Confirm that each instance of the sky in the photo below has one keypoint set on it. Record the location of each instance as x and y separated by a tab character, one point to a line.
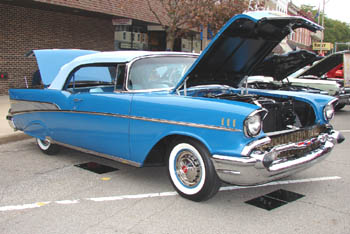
334	9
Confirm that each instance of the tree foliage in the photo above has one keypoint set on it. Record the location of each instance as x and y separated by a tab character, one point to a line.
334	30
179	16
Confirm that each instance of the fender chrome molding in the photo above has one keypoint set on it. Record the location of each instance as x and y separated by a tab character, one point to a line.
164	121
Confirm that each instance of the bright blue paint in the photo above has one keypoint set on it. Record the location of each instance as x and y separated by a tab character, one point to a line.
81	121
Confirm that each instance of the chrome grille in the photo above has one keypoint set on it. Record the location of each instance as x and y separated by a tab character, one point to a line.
295	136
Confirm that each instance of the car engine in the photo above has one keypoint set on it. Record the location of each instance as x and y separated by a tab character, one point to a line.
283	114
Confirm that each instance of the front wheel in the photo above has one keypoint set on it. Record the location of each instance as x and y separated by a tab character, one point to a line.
47	147
191	171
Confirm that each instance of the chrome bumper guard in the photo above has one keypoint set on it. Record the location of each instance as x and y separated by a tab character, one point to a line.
256	167
344	99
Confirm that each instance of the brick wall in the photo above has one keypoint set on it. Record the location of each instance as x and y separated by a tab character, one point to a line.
23	29
134	9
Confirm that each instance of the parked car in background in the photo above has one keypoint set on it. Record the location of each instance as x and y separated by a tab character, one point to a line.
300	71
336	72
273	72
316	76
185	110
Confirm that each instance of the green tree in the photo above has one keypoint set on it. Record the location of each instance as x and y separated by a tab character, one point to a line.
334	30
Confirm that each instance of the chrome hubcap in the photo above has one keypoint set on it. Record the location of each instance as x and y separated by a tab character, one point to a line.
188	168
45	142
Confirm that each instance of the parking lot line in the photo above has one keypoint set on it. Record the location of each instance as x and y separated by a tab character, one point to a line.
152	195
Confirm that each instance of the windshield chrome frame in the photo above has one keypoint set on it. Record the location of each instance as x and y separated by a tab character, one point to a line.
129	65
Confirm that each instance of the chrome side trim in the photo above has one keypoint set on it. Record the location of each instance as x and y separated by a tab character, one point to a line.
28	106
187	124
115	158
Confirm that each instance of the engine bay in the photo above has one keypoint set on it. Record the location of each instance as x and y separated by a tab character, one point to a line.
283	114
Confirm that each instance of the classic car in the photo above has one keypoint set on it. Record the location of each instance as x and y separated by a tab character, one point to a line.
337	72
184	110
293	71
316	76
272	73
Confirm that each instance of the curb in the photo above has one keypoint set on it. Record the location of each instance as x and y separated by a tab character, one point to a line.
13	137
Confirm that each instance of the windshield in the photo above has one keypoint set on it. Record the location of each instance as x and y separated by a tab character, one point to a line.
158	72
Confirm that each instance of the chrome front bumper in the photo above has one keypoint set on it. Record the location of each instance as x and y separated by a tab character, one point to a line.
256	167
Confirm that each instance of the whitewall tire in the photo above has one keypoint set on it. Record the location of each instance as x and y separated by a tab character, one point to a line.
191	170
47	147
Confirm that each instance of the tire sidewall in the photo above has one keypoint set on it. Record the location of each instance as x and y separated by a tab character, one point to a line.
176	150
209	184
42	146
47	147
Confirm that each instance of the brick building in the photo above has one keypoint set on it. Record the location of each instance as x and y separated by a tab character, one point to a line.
103	25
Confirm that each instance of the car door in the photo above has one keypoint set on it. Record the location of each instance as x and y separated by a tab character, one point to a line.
96	117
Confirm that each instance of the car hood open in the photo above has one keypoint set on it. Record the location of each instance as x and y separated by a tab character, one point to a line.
325	65
50	61
281	66
243	42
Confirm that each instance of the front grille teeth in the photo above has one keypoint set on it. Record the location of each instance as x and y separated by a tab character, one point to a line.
297	136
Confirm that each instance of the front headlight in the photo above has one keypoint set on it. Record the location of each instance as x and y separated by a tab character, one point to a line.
252	125
328	112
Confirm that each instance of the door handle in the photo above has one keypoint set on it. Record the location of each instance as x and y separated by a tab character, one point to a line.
77	100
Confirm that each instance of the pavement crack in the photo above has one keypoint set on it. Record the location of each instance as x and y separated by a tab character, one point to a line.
110	216
326	207
129	230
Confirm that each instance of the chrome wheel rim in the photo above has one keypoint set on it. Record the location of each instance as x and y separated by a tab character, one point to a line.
43	144
188	168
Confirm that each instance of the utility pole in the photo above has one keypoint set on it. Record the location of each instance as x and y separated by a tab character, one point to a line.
324	3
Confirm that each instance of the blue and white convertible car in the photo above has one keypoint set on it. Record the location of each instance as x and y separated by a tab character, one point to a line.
185	110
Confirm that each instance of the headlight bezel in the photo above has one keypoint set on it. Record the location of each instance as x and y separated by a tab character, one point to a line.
255	118
329	111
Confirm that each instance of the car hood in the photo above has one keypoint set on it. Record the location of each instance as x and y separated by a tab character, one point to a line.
50	61
325	65
242	43
281	66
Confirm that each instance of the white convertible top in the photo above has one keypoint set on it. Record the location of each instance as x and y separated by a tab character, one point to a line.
103	57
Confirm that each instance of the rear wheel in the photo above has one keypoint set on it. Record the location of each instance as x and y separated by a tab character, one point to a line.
47	147
191	171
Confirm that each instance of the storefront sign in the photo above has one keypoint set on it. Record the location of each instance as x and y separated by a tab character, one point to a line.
322	46
121	21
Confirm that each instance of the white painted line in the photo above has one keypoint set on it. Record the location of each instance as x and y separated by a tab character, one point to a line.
137	196
23	207
162	194
344	130
281	182
67	202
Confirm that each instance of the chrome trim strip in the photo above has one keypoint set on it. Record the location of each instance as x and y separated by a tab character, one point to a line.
187	124
18	106
115	158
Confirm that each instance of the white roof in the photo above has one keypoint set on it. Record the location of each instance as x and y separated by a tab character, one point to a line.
103	57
